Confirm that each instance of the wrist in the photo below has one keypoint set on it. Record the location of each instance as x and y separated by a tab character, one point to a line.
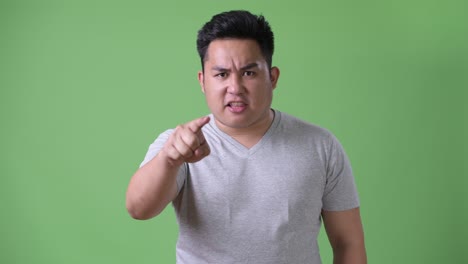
168	162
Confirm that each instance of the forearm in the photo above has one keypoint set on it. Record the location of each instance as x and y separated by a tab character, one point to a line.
346	235
349	254
151	188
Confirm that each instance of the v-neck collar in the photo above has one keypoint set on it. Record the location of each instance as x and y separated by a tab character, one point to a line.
241	149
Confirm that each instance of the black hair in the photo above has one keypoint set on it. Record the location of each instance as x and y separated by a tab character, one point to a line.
238	24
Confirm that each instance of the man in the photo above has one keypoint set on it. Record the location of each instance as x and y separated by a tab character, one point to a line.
249	184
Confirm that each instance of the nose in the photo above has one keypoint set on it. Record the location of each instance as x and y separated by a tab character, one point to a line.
236	85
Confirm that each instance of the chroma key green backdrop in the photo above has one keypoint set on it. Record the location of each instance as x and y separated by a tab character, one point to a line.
86	86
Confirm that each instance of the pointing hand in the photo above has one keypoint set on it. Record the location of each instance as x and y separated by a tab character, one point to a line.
187	143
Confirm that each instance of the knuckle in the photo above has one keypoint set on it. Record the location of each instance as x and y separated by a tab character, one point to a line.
172	153
194	142
187	152
191	140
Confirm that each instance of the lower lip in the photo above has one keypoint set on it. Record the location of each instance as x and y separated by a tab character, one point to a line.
237	109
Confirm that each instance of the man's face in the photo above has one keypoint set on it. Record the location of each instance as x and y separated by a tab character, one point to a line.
237	83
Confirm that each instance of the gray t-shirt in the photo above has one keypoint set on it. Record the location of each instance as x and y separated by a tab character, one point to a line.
263	204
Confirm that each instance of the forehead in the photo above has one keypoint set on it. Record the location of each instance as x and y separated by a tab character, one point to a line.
237	51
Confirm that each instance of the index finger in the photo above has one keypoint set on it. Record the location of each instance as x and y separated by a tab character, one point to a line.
197	124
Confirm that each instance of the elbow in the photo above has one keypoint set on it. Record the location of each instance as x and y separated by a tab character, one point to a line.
137	215
139	212
141	206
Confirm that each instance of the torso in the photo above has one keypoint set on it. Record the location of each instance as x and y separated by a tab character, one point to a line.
257	204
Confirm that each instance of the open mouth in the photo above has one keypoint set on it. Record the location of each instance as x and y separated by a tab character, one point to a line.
237	107
236	104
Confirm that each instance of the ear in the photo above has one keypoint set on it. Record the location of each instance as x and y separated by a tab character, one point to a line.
201	81
274	75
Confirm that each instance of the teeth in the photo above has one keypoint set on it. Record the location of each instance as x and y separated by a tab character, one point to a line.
237	104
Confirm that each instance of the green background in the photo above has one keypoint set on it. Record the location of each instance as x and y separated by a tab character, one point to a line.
86	86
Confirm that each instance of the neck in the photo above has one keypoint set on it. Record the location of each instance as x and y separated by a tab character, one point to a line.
251	135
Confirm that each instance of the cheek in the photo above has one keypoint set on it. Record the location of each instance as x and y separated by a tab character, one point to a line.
214	97
264	94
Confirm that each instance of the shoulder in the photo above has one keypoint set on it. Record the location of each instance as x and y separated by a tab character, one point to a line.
292	126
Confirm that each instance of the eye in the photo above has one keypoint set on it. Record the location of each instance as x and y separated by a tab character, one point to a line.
221	75
249	73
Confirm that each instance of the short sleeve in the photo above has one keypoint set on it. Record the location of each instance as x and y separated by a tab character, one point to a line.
340	189
154	149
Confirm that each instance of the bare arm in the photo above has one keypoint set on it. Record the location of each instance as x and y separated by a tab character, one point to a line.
346	236
154	185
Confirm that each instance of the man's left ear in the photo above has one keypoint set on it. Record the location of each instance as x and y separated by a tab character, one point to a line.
200	80
274	75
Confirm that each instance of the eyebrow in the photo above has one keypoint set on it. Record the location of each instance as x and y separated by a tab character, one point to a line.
246	67
249	66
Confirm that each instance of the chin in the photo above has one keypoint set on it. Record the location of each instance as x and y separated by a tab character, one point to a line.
239	122
234	124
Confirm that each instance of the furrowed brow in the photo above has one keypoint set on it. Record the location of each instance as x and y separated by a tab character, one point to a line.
249	66
219	69
246	67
